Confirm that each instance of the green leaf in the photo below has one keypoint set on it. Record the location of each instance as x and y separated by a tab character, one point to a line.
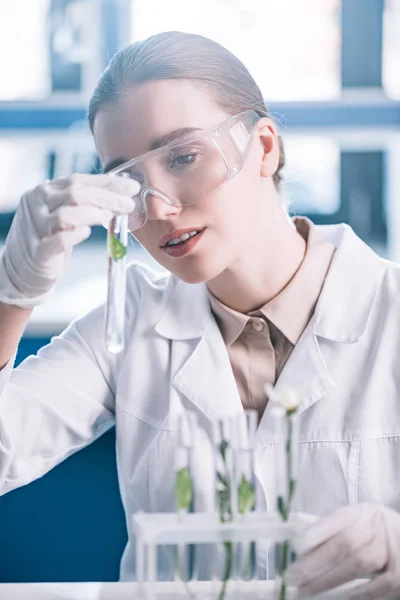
225	511
282	508
183	489
222	448
222	479
292	487
116	248
246	496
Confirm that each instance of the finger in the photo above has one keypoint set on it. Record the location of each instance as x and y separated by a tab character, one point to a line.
78	195
33	210
121	185
337	550
325	528
71	217
380	587
63	241
359	565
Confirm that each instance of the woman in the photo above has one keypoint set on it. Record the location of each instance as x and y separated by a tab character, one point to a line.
253	298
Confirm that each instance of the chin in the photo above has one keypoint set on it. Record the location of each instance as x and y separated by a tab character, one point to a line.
197	273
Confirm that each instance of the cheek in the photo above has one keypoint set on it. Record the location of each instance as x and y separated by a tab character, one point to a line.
147	238
235	204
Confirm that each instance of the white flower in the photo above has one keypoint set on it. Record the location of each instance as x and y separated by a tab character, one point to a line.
286	399
289	399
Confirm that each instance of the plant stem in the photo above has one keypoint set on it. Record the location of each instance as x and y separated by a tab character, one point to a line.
282	591
225	514
179	568
248	571
228	568
284	508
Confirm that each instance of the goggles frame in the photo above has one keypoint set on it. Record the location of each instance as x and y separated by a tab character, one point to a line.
239	130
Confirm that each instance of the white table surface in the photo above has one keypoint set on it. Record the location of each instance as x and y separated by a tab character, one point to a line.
130	591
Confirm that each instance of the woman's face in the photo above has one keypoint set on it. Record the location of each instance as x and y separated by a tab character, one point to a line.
230	216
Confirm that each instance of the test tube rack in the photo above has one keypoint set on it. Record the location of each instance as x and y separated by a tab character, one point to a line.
156	529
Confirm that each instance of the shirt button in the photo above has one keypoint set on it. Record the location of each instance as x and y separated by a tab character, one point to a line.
258	325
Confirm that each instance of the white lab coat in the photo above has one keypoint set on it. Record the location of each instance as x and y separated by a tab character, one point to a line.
345	368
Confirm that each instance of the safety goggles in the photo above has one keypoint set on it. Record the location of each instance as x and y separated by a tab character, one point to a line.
186	172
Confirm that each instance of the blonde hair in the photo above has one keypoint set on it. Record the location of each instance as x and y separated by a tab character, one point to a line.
177	55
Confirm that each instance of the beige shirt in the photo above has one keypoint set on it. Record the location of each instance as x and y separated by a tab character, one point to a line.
259	343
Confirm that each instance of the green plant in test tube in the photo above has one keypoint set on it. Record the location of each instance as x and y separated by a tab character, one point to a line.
246	496
287	406
184	488
183	502
244	479
116	249
244	493
225	512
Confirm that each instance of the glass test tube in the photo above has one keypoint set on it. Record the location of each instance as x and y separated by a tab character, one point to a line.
245	486
224	497
287	450
184	464
117	242
185	492
286	466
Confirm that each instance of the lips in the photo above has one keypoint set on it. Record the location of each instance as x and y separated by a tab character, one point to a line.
177	234
184	248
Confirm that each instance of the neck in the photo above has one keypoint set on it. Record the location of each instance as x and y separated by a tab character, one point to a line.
270	261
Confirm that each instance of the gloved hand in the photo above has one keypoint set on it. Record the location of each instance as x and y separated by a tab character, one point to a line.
49	221
355	541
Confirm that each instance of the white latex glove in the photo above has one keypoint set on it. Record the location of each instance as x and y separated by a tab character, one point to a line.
355	541
49	221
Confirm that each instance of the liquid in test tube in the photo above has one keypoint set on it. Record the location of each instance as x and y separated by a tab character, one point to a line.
117	242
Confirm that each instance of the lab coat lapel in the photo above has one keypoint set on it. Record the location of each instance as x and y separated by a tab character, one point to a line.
341	316
206	378
200	366
306	373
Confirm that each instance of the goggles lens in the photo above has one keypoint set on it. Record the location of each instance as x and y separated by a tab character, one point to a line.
185	173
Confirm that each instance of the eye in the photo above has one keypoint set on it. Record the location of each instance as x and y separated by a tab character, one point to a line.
183	160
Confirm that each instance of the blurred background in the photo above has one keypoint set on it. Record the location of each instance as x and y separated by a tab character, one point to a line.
329	71
330	74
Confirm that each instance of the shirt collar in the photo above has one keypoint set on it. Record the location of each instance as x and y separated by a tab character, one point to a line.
342	312
230	322
291	310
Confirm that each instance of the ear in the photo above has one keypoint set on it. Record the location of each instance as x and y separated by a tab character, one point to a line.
268	136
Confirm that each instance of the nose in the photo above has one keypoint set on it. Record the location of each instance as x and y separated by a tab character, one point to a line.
158	209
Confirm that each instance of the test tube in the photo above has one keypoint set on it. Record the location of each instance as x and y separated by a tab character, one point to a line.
185	493
287	450
286	467
117	243
245	488
223	554
225	498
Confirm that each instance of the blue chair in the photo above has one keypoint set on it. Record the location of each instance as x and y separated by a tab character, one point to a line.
69	525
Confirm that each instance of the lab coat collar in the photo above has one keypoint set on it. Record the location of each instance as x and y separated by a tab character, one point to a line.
185	310
186	317
348	295
342	311
341	315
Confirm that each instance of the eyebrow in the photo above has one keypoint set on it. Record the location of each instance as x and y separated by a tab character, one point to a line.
164	140
173	136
